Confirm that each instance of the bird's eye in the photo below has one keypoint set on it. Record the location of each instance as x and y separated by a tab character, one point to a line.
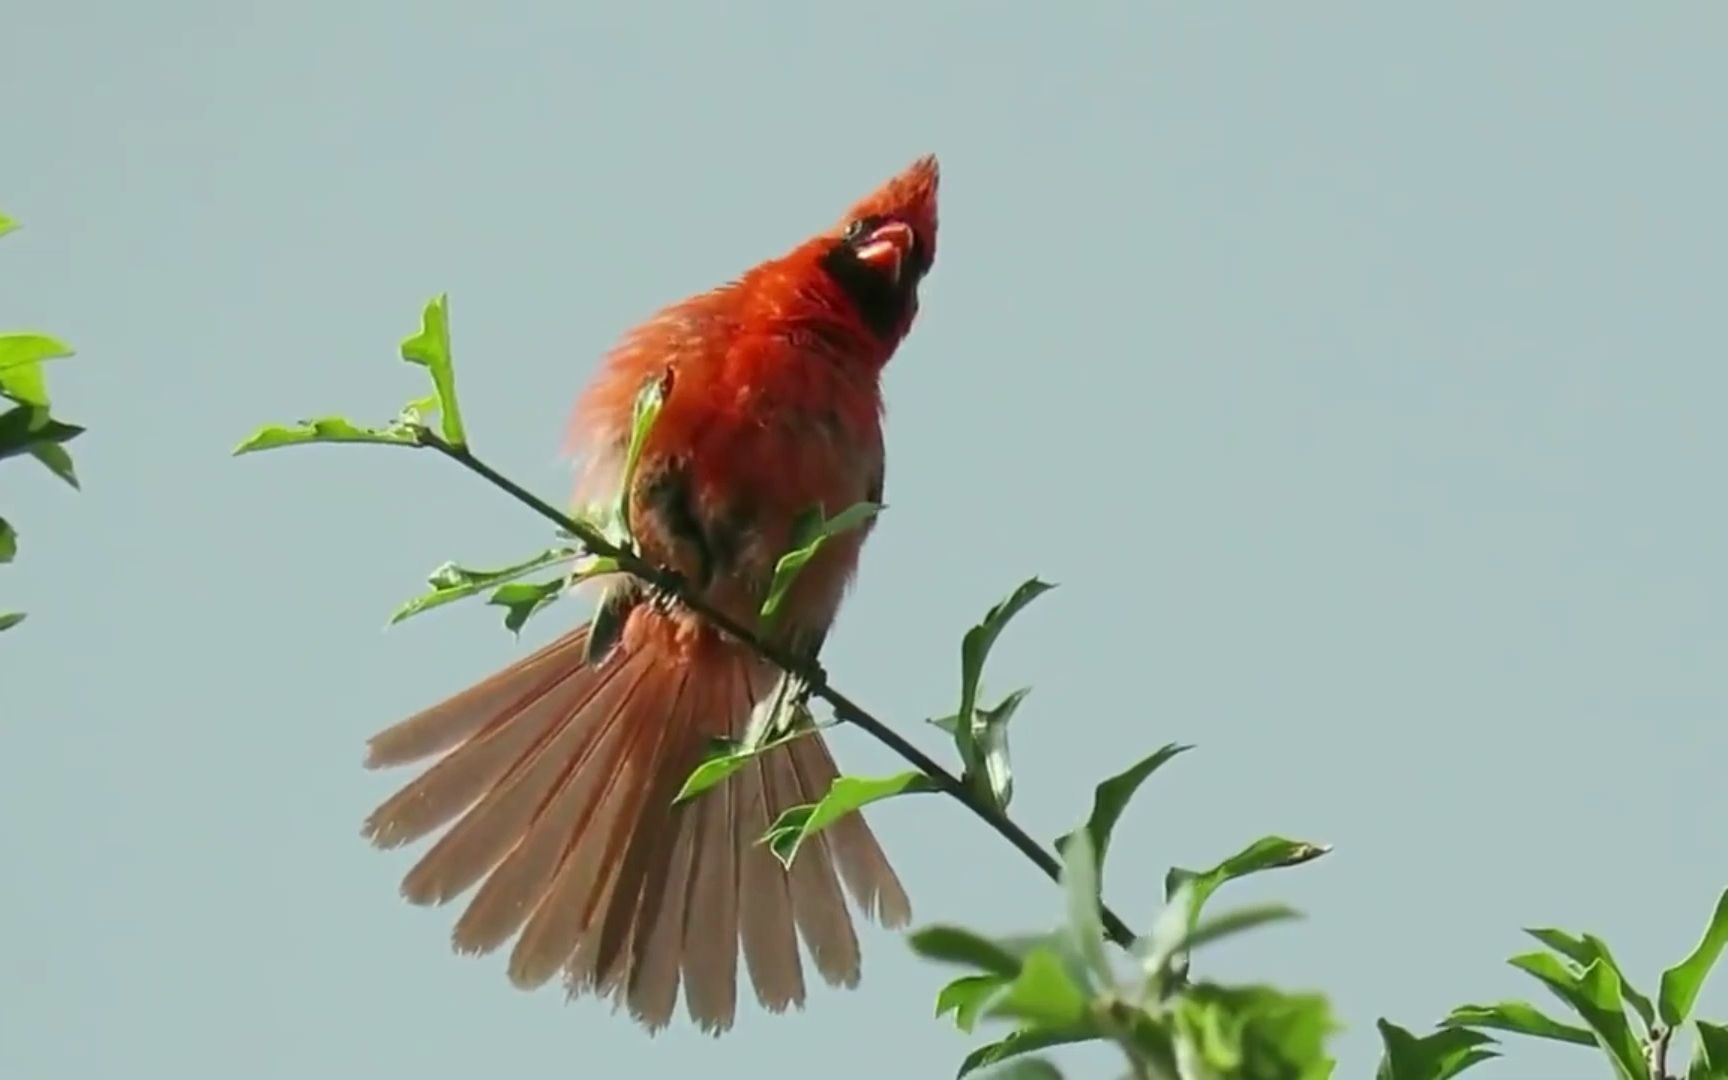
859	227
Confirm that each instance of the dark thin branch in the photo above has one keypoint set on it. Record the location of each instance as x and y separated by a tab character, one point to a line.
811	674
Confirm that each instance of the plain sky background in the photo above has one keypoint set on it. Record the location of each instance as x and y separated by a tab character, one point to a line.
1357	372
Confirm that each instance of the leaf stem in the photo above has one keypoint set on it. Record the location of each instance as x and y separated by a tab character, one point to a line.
812	675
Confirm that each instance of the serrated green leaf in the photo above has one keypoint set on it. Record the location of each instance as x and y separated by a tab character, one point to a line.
1111	797
1085	921
1520	1017
1439	1056
1595	996
1253	1032
1709	1052
9	619
846	795
326	429
958	945
430	348
8	541
967	996
523	599
1681	983
450	582
1042	994
810	531
974	650
1025	1042
726	757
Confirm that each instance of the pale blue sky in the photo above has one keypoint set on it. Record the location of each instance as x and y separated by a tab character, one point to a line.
1359	375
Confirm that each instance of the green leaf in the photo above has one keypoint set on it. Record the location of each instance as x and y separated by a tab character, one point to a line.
1111	797
1218	927
726	757
848	793
430	348
643	413
1026	1042
8	541
958	945
1085	921
1439	1056
1681	983
966	998
58	461
6	224
1266	853
9	619
1042	994
1709	1052
1585	950
450	582
21	359
327	429
24	428
974	650
810	530
1520	1017
1595	996
1179	930
1254	1032
524	598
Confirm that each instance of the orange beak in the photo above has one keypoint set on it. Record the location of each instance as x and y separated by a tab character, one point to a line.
886	248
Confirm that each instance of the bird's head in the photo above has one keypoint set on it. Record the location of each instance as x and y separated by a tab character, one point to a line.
884	246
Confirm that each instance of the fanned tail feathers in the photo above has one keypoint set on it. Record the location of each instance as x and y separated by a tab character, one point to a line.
556	782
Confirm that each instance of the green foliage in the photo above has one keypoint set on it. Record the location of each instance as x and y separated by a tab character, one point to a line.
981	735
430	348
1709	1052
1060	987
727	756
1520	1017
450	582
1253	1032
1439	1056
646	410
810	531
327	429
28	426
1681	983
848	793
1111	798
1581	972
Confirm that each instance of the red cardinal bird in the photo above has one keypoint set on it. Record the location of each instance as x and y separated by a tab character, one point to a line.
558	773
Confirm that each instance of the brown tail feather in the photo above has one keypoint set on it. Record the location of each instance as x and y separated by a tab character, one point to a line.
558	778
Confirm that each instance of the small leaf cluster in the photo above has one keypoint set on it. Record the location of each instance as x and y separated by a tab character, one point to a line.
27	423
1624	1025
1064	986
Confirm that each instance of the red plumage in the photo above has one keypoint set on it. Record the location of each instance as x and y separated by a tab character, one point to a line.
557	773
